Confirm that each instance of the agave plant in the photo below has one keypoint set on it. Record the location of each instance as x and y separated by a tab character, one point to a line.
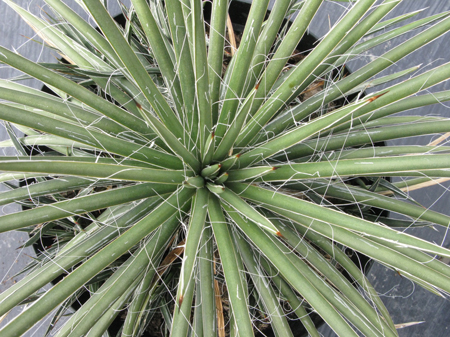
202	197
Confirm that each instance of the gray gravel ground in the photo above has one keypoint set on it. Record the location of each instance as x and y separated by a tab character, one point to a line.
406	302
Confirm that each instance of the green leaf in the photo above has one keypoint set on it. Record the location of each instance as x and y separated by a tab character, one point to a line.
337	219
431	165
71	49
91	138
381	80
357	274
247	210
90	33
332	274
381	38
178	32
356	138
130	272
376	117
355	194
393	258
295	136
390	22
186	284
98	330
95	264
81	205
266	40
133	65
206	283
240	66
95	170
295	303
159	49
277	254
215	53
361	75
48	187
80	247
288	90
84	95
229	256
201	74
264	289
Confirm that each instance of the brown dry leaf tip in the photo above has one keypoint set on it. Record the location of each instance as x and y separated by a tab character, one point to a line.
440	139
313	86
257	85
377	96
212	135
139	106
230	152
180	301
219	165
405	325
279	234
219	309
231	35
275	168
238	155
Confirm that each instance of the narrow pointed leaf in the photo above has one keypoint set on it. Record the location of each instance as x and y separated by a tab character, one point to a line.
229	256
92	138
192	244
80	205
412	165
337	141
159	49
206	283
297	135
288	90
133	65
91	99
48	187
393	258
362	75
129	273
248	211
290	272
359	195
268	298
91	267
235	85
336	218
94	170
215	53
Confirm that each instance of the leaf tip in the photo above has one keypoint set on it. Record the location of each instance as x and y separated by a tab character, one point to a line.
376	97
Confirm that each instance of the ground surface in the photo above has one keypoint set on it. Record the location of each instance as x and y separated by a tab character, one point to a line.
406	302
